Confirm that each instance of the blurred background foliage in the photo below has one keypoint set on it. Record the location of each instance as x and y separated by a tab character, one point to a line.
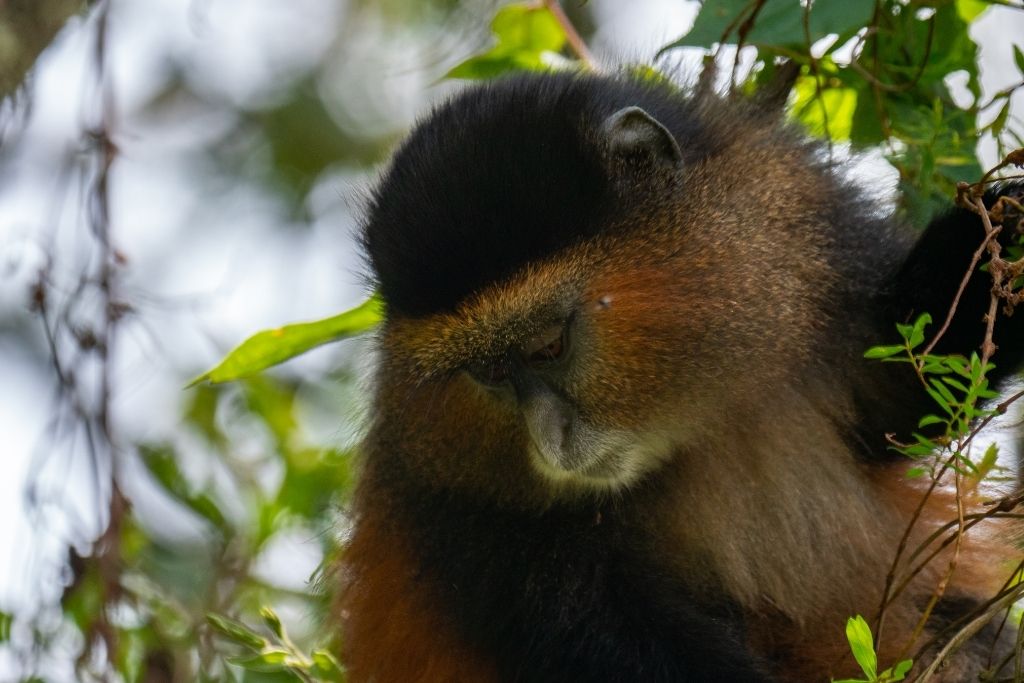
175	175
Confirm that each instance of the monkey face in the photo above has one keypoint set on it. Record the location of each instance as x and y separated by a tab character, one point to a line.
570	274
537	375
547	379
583	359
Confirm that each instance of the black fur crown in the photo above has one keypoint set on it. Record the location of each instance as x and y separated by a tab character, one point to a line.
501	175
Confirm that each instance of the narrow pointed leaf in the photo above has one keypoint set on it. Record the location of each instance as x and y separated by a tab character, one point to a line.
883	351
858	633
272	347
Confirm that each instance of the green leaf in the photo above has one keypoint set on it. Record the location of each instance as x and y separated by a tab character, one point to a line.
529	27
935	369
648	74
272	621
272	347
917	332
969	10
779	23
956	384
303	139
283	676
915	472
946	393
5	626
858	633
930	420
938	398
489	66
899	672
824	104
959	365
988	461
883	351
162	463
917	450
236	631
971	467
327	667
1018	58
525	33
999	122
268	660
313	480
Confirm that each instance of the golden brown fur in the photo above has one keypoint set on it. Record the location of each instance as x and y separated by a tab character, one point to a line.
717	319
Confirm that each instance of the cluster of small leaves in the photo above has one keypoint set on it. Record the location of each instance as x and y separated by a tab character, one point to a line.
891	92
957	385
858	634
158	607
276	655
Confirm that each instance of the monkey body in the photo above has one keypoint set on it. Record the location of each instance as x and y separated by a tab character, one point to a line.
622	428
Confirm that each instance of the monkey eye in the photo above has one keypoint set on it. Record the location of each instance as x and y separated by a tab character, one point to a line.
545	347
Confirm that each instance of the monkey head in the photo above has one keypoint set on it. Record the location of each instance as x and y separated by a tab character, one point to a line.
587	275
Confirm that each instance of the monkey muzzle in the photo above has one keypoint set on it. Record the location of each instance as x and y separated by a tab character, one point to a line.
562	442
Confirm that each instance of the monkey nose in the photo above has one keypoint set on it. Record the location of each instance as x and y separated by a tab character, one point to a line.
549	421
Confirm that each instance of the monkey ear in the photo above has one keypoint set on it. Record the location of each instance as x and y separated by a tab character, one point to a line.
632	133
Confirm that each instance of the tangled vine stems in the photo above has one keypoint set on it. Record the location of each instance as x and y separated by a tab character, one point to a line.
1006	211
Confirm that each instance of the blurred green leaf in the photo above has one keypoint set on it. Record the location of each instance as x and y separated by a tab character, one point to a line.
272	621
313	481
5	626
274	403
828	109
236	631
969	10
268	660
527	27
304	140
83	600
272	347
525	33
999	122
284	676
327	667
915	472
201	412
989	461
162	463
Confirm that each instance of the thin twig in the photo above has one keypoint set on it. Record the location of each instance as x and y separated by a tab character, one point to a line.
975	259
969	632
572	36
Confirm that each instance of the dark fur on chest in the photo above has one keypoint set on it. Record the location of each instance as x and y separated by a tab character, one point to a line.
572	594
